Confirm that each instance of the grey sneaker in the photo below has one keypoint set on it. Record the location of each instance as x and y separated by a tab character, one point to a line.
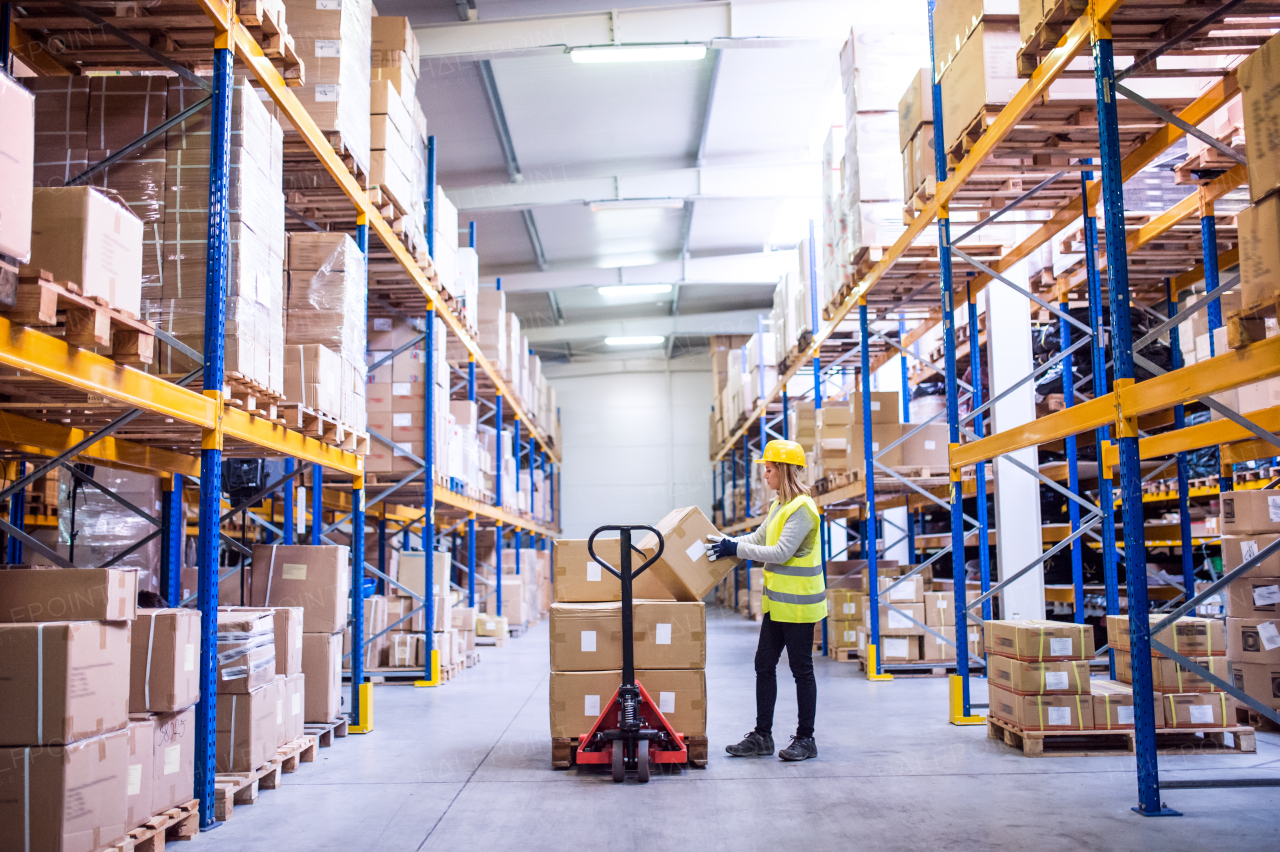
754	744
801	748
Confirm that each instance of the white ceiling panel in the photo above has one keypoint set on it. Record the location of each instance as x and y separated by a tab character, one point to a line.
467	149
726	226
501	239
572	233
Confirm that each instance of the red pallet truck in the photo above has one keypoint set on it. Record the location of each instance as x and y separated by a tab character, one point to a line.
631	733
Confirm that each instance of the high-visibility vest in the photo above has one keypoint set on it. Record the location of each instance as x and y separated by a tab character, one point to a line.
795	591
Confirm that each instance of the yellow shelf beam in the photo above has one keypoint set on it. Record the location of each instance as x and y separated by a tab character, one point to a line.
37	437
247	50
286	442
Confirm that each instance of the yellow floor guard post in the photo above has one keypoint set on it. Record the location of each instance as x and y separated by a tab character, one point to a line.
957	704
435	671
365	725
871	666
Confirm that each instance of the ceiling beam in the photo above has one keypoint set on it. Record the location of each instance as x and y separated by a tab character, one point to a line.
736	268
723	322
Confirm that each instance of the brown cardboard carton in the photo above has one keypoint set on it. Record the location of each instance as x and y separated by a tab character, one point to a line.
60	594
123	108
288	633
246	649
1258	680
1113	705
246	728
82	235
885	408
578	698
903	649
1253	597
578	578
925	446
956	20
910	590
939	609
684	567
1259	77
1191	637
69	798
138	775
164	660
1199	710
934	648
1067	677
316	578
292	704
1171	677
492	625
894	623
173	760
375	621
1237	549
1039	641
845	605
586	637
1043	712
1253	640
668	634
916	106
413	572
464	618
1245	513
322	666
62	681
17	168
1259	228
843	634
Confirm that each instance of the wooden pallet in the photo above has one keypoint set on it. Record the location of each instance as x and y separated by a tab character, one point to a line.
564	751
323	427
180	823
87	322
1058	18
1107	743
325	732
241	788
843	655
1203	168
1254	719
925	668
1249	326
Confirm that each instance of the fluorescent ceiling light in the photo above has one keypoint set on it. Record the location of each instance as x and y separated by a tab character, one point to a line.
643	340
634	289
639	53
637	204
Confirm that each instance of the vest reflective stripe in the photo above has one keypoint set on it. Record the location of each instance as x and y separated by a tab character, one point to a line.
795	592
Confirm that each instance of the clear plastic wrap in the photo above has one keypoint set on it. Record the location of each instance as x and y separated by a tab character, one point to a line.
104	528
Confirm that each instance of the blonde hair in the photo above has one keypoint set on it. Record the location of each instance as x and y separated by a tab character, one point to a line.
789	485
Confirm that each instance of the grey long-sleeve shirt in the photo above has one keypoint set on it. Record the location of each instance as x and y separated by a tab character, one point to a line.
799	537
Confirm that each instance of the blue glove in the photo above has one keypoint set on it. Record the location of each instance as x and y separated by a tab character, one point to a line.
723	549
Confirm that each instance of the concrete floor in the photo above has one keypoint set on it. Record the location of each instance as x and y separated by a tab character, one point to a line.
468	766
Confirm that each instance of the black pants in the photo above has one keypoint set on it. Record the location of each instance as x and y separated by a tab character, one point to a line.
798	640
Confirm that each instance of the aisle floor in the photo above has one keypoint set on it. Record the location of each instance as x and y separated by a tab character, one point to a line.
468	766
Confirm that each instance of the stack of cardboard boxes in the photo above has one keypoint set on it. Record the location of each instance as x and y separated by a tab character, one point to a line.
395	397
1183	699
915	136
1260	224
73	765
318	580
455	628
17	175
1038	675
398	127
1253	600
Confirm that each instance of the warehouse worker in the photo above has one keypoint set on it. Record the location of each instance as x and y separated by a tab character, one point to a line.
794	598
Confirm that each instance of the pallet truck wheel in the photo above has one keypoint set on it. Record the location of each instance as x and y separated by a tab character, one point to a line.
642	762
619	773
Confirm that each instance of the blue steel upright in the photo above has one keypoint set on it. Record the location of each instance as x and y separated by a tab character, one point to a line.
1135	548
497	487
471	559
869	480
952	386
428	482
17	515
357	531
1098	359
215	315
980	469
172	525
1184	468
1212	281
317	503
1073	470
290	491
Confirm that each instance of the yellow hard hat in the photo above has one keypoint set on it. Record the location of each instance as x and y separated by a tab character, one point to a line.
784	452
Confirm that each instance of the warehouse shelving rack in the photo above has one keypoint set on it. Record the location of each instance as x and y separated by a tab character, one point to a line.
167	417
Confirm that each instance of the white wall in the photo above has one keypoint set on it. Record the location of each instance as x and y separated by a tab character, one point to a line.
636	444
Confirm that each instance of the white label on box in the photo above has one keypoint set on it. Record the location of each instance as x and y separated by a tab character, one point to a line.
1269	635
1055	680
1201	714
851	636
297	703
1273	509
1059	715
328	47
898	621
662	636
895	646
666	702
328	5
875	447
588	641
1248	550
493	625
931	445
297	635
398	388
903	592
695	551
279	711
134	779
1266	595
1124	714
172	758
850	608
326	92
189	657
1060	646
942	603
294	571
381	323
875	405
593	572
404	447
591	705
401	419
975	635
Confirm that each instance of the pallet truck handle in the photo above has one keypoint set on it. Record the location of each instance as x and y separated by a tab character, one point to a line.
605	565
